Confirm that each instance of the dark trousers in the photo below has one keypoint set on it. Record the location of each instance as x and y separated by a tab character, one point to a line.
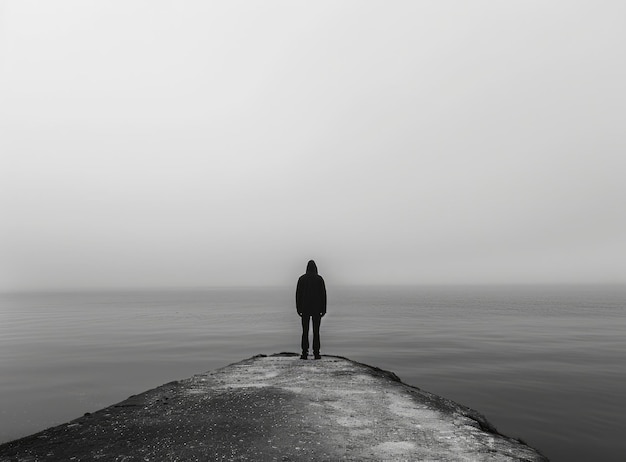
316	333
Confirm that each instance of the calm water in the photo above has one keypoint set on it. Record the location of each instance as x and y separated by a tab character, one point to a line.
546	364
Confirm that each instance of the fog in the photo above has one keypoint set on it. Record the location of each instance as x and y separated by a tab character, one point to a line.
195	144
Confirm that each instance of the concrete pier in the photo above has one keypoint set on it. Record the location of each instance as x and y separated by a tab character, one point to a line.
281	408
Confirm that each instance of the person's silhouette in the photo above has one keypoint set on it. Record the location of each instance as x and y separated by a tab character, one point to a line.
311	304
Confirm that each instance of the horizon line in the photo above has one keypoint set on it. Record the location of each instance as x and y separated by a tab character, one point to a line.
280	286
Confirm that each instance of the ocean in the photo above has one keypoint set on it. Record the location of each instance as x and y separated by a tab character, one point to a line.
546	364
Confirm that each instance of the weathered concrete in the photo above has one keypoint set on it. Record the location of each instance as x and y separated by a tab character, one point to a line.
278	408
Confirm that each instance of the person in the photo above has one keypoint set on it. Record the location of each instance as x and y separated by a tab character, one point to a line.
311	304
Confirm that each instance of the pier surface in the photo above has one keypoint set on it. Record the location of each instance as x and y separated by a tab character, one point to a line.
280	408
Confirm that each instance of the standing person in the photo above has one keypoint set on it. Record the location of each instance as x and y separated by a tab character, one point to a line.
311	304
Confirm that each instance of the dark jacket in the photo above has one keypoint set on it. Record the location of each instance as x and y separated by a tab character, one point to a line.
311	292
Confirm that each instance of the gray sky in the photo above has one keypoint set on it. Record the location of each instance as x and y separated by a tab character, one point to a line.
170	143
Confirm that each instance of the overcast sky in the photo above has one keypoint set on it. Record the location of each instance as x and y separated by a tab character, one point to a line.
194	143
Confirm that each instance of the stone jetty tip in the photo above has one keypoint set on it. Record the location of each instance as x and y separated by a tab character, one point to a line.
281	408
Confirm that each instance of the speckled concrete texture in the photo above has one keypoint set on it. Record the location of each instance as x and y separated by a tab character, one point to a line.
279	408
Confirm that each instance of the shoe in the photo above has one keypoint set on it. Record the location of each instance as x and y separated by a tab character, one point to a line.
303	356
317	356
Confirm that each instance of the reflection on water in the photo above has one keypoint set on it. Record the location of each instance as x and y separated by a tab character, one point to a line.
546	364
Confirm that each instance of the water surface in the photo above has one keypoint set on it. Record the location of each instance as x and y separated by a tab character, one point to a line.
546	364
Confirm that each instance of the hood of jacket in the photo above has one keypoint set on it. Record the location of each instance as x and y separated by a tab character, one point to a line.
311	267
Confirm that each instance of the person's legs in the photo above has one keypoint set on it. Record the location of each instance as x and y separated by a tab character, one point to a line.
305	335
316	335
